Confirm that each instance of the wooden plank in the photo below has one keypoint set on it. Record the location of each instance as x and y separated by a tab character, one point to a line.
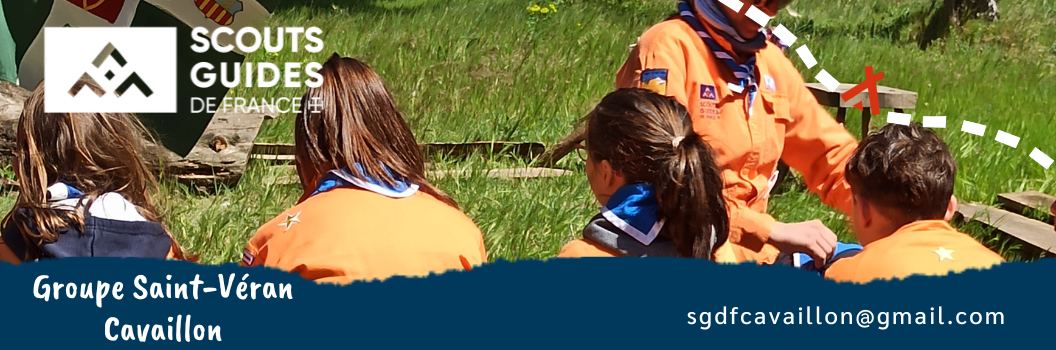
260	148
1033	232
274	158
1019	202
515	173
888	97
528	150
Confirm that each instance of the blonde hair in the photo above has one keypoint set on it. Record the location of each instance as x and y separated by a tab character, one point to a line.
96	153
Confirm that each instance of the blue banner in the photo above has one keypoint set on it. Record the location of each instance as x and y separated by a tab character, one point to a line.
564	303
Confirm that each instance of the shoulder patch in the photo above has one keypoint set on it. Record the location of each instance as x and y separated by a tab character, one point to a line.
707	92
654	80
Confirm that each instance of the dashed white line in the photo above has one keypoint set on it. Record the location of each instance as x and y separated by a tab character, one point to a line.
1006	138
806	57
935	122
826	79
973	128
757	15
784	34
1041	158
733	4
899	118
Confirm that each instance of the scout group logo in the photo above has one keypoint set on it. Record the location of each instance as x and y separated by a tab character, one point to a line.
709	98
135	67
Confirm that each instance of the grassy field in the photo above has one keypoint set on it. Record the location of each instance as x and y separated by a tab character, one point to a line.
484	70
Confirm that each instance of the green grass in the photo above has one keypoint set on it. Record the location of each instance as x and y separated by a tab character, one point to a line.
483	70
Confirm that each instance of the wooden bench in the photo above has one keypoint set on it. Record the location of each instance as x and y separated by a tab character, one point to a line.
888	97
1009	219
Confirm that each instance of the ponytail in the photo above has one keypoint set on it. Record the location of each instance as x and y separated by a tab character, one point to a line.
649	138
690	199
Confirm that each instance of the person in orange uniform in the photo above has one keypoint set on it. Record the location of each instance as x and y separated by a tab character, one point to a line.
368	211
658	182
750	104
902	178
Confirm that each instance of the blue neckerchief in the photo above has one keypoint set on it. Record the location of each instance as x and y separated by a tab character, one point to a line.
843	250
633	210
61	191
342	178
709	12
745	73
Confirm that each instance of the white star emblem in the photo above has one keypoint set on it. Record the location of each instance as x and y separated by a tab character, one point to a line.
944	253
290	220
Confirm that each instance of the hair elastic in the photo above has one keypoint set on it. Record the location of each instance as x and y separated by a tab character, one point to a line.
676	141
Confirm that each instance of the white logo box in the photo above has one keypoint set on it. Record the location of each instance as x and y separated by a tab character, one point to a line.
148	52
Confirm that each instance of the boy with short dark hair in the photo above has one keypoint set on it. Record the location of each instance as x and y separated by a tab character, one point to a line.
902	179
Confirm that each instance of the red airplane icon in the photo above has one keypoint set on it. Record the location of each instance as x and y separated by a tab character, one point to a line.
870	84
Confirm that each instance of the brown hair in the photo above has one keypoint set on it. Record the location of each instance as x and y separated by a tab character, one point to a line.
634	130
352	119
907	171
96	153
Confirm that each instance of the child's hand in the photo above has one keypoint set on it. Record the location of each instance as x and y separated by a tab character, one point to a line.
811	238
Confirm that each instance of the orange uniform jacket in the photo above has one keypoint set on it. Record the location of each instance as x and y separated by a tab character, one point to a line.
349	234
580	248
786	123
929	247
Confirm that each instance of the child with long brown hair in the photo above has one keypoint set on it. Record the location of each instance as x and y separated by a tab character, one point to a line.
367	210
657	180
83	188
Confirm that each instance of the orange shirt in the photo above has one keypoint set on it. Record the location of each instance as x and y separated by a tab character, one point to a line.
928	247
786	123
349	234
580	248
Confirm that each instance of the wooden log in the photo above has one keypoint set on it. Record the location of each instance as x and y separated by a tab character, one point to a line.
1020	202
561	148
219	156
1032	232
12	97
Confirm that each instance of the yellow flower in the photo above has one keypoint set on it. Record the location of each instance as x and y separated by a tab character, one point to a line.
554	8
534	8
544	10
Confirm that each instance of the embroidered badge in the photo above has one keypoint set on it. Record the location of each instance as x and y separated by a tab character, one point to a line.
944	253
247	257
707	92
769	82
290	220
654	80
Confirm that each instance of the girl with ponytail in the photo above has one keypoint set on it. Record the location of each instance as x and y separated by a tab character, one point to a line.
657	180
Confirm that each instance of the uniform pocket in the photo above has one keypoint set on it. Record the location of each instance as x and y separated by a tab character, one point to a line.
779	118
